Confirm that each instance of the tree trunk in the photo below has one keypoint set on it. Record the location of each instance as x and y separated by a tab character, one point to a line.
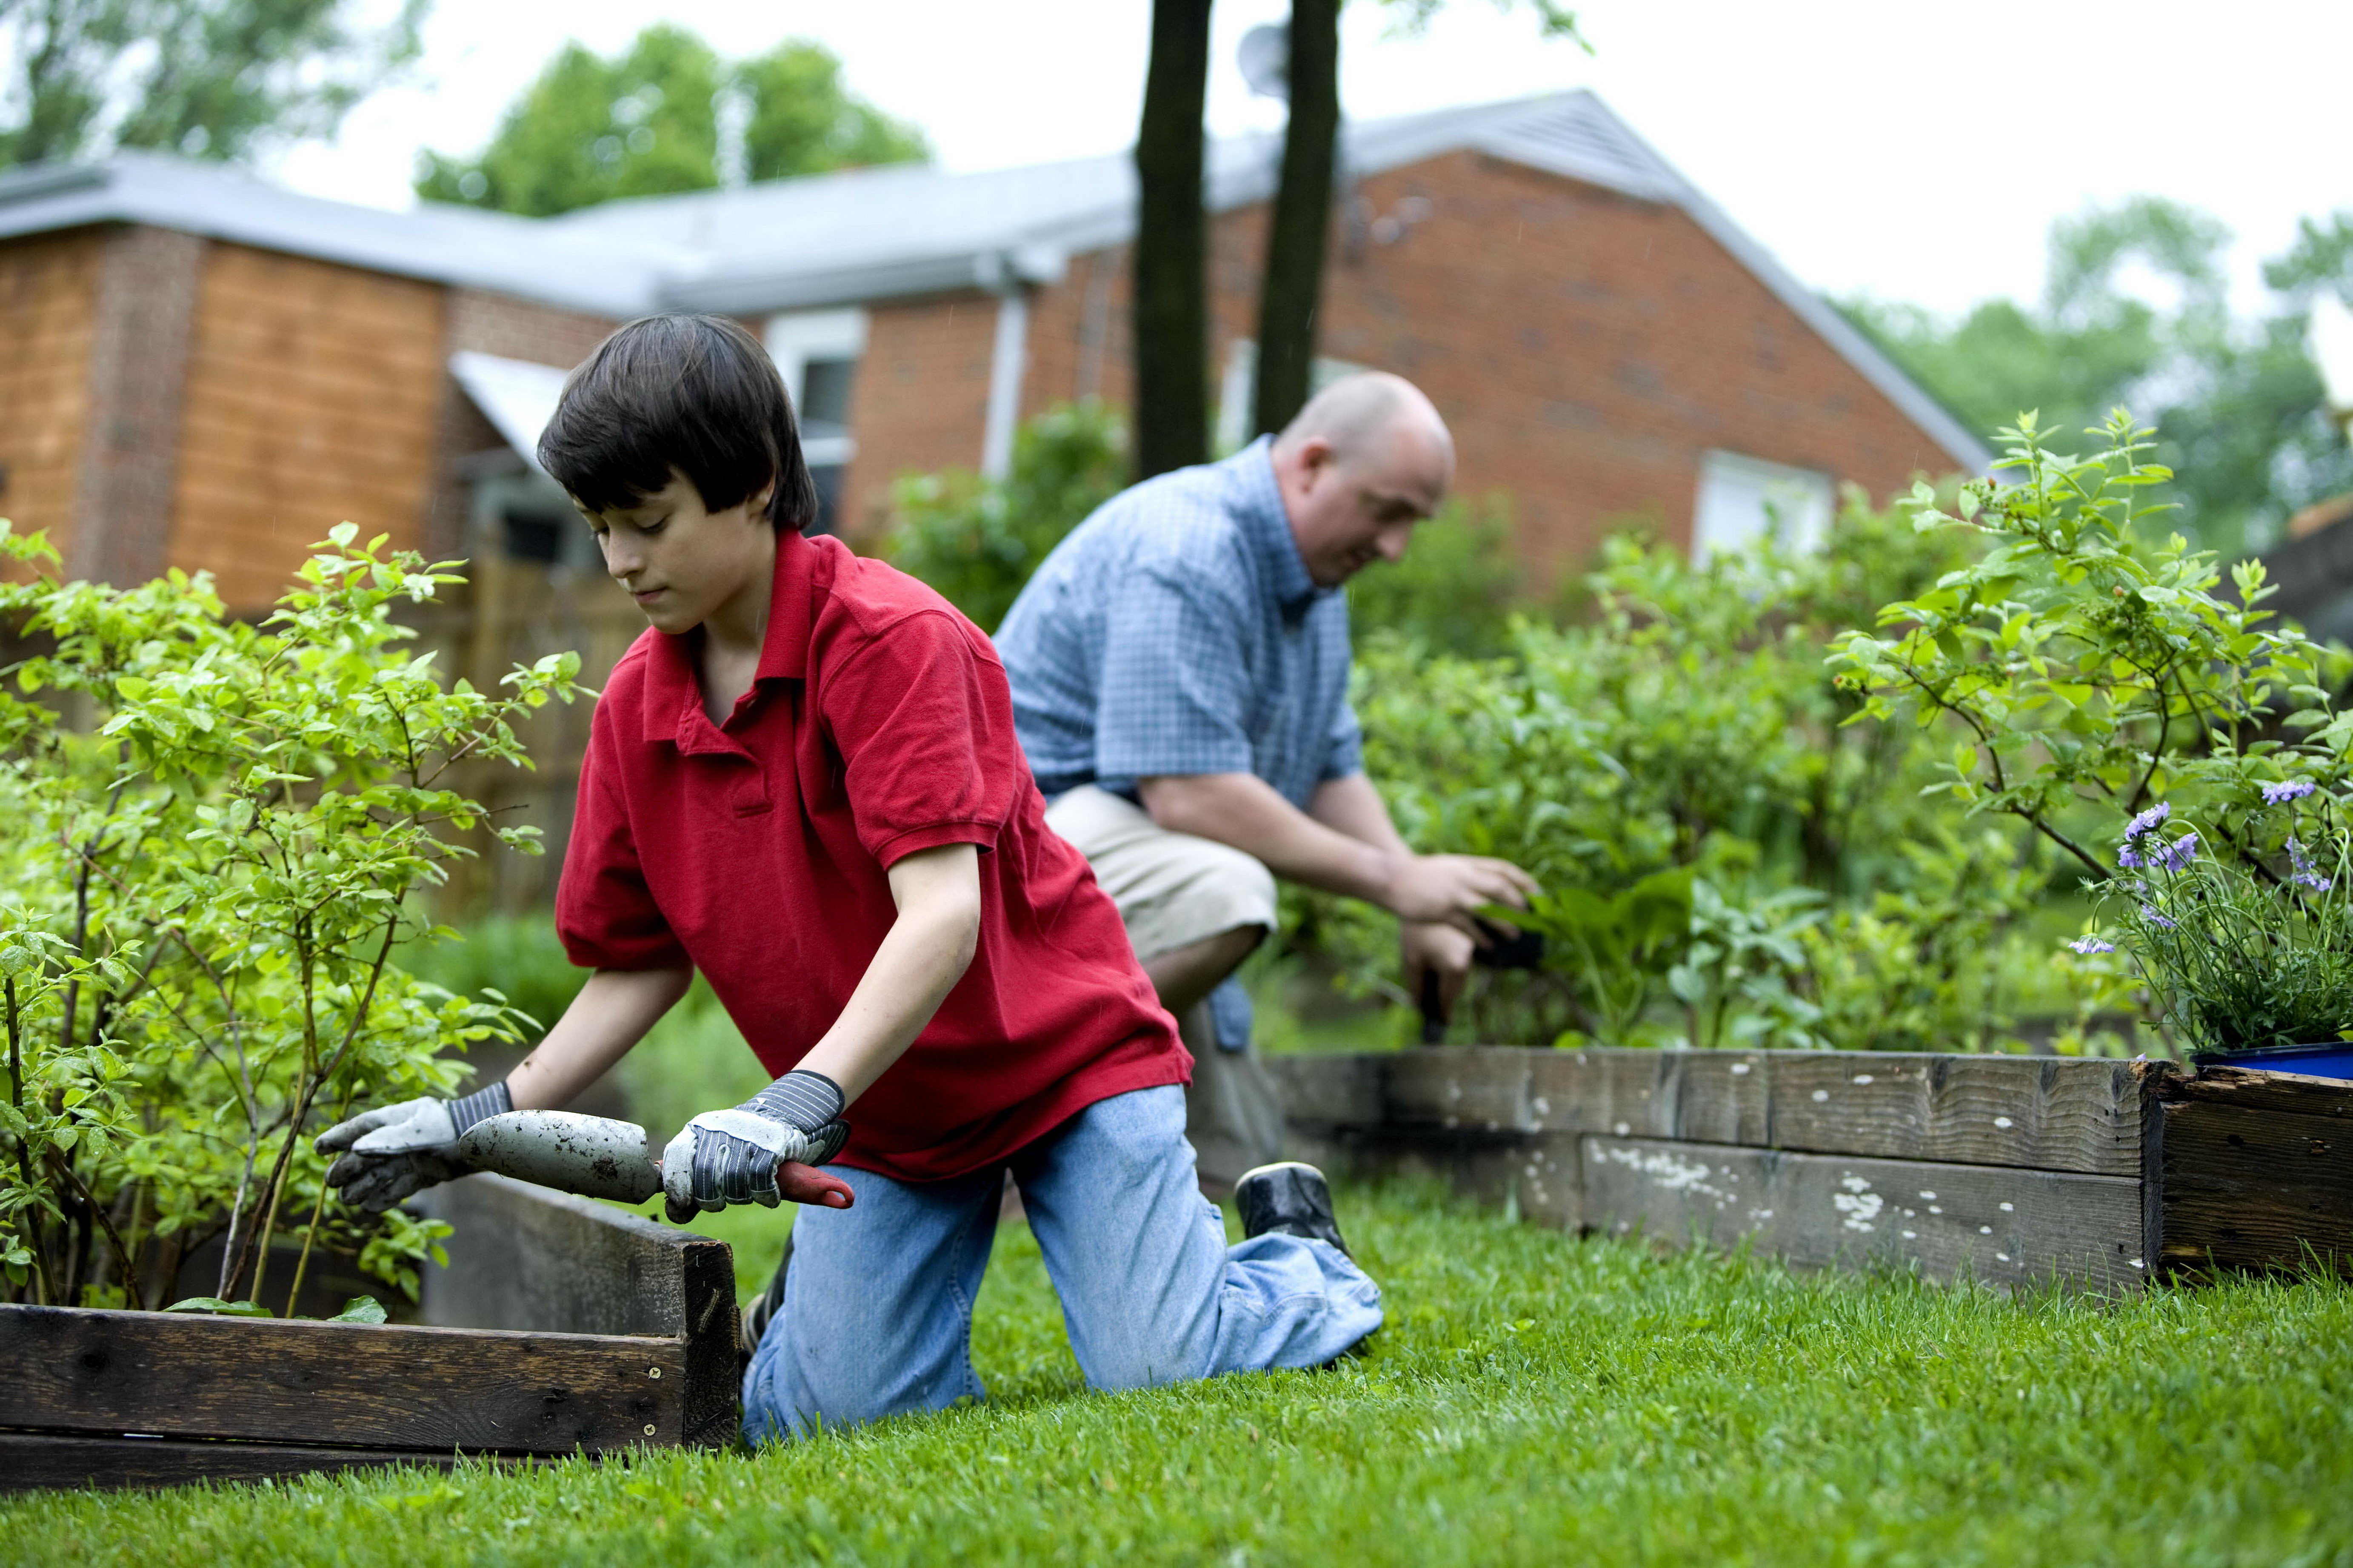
1172	303
1302	219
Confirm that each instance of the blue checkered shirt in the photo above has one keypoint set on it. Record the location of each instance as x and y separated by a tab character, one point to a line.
1177	631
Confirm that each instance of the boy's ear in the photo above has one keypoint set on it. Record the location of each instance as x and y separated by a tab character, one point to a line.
762	499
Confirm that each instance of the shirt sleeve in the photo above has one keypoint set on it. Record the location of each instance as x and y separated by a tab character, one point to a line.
924	725
1343	749
1175	691
605	913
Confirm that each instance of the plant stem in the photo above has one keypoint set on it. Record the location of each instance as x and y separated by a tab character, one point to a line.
301	1264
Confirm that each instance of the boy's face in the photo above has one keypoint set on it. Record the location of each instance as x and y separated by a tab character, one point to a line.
680	563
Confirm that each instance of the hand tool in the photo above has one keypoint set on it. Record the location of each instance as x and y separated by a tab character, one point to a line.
598	1157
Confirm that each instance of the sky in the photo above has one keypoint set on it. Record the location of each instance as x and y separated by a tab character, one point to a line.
1904	150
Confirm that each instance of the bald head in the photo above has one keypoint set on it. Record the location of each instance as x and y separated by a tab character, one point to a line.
1361	415
1367	459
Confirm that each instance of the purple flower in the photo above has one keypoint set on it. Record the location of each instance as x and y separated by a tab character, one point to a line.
2127	860
2146	820
2087	945
2305	877
2281	794
2149	912
2173	857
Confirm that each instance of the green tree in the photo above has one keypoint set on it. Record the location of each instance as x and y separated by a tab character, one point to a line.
2238	404
212	78
647	121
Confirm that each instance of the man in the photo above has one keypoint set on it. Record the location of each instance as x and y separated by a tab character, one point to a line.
1179	668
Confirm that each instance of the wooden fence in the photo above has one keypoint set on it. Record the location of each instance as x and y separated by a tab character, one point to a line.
2009	1170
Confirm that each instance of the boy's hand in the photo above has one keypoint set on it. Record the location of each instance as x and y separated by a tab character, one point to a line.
724	1157
392	1151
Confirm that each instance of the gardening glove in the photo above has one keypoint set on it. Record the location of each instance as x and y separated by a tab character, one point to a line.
391	1151
724	1157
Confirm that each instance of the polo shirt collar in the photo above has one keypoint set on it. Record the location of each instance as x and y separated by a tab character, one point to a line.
673	701
1268	526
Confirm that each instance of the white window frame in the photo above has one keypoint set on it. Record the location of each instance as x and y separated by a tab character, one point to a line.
795	338
1742	499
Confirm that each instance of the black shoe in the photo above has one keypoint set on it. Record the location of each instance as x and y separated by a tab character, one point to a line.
1288	1198
762	1307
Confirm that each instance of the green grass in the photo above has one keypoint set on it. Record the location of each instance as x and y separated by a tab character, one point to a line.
1535	1398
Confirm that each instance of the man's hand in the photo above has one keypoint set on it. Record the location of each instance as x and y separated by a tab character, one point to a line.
724	1157
1451	889
1433	947
394	1150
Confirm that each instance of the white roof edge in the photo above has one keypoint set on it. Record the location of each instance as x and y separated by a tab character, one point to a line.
517	396
1849	344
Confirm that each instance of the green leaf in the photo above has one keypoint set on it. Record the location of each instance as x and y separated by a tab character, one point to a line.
360	1309
215	1305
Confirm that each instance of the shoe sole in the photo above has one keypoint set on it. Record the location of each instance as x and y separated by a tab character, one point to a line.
1305	1171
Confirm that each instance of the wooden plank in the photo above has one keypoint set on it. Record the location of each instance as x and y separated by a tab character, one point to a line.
1323	1090
2035	1112
367	1385
528	1258
45	1461
2246	1185
2046	1113
2296	1093
1482	1089
2005	1227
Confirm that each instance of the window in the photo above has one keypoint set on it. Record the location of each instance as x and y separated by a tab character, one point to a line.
817	352
1239	387
1744	499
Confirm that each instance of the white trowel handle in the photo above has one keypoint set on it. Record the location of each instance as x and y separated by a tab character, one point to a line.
593	1157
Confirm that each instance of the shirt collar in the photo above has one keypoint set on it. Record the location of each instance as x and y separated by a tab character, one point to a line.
1268	526
673	701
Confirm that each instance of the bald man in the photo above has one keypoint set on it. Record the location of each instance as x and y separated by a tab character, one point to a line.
1179	668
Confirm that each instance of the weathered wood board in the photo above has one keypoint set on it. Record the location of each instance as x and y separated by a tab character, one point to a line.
56	1461
361	1384
2001	1226
2037	1112
523	1257
2250	1184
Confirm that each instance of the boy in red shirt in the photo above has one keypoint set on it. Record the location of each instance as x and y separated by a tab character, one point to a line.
804	780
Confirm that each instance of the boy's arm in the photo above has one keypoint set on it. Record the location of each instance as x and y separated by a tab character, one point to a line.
611	1014
732	1156
389	1153
925	952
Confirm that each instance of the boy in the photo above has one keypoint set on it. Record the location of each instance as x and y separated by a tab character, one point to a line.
803	780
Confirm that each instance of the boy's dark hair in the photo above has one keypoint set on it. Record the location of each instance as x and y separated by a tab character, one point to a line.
697	393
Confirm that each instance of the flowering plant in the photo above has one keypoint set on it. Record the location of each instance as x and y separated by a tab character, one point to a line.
2248	949
2097	674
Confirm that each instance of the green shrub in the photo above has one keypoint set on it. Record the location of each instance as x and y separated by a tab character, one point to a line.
203	882
2094	684
1456	588
977	541
1732	852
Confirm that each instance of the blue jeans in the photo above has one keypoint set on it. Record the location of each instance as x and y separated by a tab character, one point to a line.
877	1316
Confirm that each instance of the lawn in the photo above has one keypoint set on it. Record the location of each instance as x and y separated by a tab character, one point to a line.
1535	1398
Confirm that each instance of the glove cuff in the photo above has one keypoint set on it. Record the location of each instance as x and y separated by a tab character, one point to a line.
804	1101
495	1100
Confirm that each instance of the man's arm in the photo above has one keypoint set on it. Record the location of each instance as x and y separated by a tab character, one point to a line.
1354	808
1245	812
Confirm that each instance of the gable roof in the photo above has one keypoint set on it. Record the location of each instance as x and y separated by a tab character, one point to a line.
873	234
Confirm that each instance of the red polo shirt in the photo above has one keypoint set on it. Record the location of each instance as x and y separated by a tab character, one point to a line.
878	724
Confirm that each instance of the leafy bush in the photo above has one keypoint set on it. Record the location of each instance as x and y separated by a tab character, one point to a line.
977	539
1731	851
2099	684
1456	588
203	880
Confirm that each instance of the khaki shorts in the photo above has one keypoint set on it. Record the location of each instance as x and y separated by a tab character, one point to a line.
1174	890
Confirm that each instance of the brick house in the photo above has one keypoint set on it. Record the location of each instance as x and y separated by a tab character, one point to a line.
204	371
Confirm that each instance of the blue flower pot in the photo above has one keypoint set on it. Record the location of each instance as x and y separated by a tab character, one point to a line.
2334	1059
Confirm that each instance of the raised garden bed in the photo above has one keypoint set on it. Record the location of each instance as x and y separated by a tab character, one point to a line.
561	1327
2009	1170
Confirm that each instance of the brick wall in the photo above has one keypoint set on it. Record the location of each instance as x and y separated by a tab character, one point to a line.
1585	347
147	284
920	401
47	317
500	324
310	399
